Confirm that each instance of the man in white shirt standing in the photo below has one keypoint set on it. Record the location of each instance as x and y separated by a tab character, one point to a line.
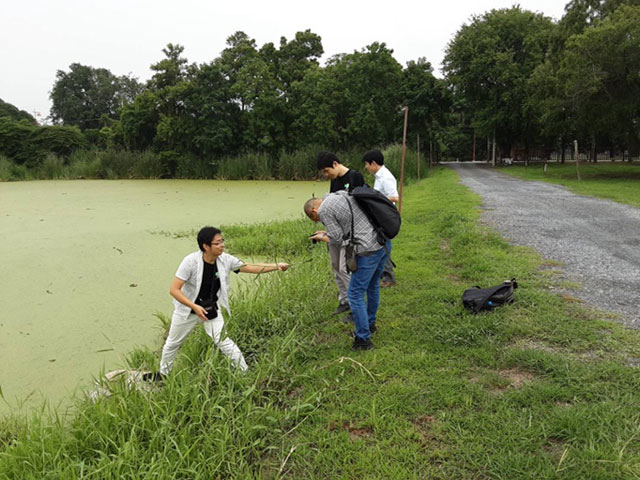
386	184
200	289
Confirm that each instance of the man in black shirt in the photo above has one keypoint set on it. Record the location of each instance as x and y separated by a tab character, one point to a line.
341	178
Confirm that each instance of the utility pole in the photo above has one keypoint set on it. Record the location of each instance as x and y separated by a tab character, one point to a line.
575	149
493	152
473	157
404	150
418	156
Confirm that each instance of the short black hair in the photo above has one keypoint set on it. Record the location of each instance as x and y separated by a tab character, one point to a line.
373	156
206	236
326	159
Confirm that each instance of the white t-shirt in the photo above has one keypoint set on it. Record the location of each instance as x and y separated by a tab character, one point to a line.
385	182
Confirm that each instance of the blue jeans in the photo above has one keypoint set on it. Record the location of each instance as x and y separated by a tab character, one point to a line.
366	280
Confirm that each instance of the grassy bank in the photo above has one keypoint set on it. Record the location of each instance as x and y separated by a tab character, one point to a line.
616	181
539	389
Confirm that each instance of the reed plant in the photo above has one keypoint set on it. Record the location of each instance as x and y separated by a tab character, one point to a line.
190	166
52	168
147	164
85	164
247	166
393	160
5	168
298	165
115	164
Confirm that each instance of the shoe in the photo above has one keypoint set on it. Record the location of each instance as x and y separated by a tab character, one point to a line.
153	377
360	344
347	318
387	284
343	307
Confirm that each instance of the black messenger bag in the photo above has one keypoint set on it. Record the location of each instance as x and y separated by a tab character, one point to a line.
477	299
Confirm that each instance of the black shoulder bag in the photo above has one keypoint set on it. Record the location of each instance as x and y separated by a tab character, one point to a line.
477	299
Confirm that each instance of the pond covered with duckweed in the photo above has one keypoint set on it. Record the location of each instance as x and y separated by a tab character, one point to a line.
86	264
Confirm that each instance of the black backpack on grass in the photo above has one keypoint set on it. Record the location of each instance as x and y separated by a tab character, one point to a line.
477	299
380	211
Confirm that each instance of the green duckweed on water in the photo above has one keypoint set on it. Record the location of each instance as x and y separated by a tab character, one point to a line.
87	264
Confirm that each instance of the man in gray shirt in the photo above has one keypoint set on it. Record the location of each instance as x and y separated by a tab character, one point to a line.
335	213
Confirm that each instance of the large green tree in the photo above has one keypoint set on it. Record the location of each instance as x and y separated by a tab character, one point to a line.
429	103
600	76
14	113
489	62
263	84
86	96
354	101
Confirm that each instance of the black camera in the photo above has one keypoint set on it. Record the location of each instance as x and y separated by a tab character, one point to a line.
211	307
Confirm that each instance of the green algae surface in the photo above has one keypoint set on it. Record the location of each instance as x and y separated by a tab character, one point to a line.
86	264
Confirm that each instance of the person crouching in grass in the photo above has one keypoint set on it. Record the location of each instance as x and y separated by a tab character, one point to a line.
200	288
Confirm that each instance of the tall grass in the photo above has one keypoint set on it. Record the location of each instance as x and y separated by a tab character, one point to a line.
248	166
538	389
298	165
85	164
115	164
5	168
393	161
189	166
52	167
206	421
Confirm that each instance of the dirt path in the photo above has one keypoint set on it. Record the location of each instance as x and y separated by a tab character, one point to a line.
596	240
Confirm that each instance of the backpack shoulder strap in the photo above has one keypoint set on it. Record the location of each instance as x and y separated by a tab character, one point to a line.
488	294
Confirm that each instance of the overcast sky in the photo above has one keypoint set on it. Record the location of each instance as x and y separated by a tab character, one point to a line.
39	37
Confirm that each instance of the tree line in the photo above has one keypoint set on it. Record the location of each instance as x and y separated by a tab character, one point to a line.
514	81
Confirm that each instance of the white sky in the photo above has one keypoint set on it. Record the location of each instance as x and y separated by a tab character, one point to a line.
39	37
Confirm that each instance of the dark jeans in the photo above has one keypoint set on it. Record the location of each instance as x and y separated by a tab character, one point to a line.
366	280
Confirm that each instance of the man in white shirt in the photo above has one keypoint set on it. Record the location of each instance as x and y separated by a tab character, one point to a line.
200	289
386	184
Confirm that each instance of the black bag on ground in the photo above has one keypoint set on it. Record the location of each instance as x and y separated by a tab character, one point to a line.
380	211
477	299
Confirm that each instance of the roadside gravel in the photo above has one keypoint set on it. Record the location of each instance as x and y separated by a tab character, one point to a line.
597	241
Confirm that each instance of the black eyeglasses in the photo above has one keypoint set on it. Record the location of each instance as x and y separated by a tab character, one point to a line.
218	243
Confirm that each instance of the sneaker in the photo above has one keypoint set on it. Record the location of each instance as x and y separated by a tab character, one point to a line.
347	318
153	377
360	344
343	307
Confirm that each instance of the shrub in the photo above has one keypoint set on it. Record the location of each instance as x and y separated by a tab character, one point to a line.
147	165
115	164
298	165
189	166
5	168
58	140
256	166
20	172
15	141
393	158
52	167
85	164
262	168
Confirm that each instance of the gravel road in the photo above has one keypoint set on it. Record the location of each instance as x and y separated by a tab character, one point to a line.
596	240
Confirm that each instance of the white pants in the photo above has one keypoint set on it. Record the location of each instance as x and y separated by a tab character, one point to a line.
180	329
